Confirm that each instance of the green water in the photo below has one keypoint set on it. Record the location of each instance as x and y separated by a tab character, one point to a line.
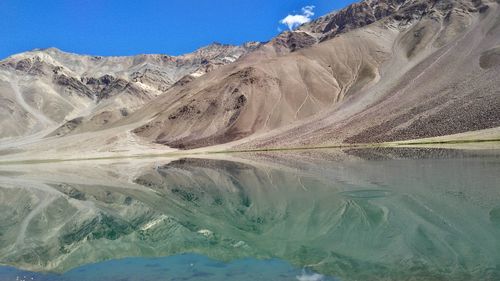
386	214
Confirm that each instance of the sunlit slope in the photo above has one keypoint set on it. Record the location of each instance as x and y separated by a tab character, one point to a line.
56	92
425	70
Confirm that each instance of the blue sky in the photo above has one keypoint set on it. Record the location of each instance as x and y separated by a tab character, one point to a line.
112	27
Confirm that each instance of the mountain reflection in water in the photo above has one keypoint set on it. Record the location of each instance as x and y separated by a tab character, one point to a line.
386	214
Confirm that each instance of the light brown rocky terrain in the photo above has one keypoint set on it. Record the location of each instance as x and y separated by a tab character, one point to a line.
376	71
48	88
414	73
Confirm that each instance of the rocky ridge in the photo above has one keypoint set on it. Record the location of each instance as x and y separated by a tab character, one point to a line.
65	86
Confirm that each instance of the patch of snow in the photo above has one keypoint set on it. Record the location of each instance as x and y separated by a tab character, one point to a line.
154	223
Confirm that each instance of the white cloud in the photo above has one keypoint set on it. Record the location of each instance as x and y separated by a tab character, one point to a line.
292	21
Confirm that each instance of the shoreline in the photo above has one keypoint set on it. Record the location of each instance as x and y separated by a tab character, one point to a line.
184	154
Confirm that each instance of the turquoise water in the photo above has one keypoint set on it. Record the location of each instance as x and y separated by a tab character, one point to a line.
383	214
179	267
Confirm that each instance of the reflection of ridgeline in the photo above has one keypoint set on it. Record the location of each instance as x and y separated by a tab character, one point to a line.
346	217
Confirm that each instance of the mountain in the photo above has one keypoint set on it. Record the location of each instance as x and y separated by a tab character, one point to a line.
45	88
410	74
375	71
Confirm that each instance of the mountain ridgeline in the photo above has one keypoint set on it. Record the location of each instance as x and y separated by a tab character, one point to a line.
375	71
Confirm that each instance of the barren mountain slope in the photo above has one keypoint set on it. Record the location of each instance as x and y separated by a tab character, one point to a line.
415	73
443	78
43	89
250	97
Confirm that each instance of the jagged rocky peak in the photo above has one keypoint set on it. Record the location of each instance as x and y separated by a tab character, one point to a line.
292	41
215	55
219	52
62	86
366	12
33	63
353	16
152	70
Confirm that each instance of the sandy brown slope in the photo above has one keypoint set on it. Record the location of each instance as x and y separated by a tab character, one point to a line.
442	79
250	98
415	73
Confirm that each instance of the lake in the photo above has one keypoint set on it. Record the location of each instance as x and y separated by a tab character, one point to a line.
352	214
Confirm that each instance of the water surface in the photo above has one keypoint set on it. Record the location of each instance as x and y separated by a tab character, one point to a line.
385	214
